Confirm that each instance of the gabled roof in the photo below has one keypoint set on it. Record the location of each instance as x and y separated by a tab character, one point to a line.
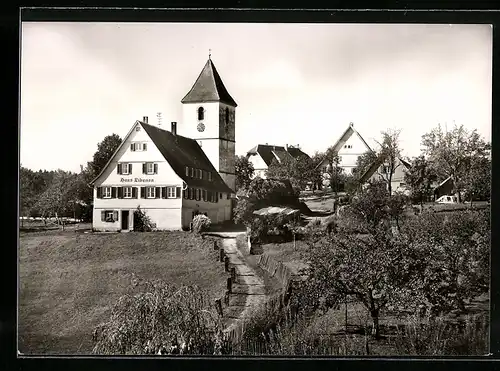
180	152
376	164
344	138
209	88
270	152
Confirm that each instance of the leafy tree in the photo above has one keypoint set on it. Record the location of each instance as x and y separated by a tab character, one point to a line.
453	153
201	223
244	172
454	254
105	149
390	153
363	163
477	181
300	171
420	178
142	221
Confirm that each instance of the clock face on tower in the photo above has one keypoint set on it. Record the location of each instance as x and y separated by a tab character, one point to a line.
201	127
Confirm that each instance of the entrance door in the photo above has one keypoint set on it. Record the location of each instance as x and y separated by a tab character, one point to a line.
125	219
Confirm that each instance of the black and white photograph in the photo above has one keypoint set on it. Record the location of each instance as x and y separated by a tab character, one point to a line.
254	189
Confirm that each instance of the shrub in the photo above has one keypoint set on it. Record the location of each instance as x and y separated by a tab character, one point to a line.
142	222
159	319
201	223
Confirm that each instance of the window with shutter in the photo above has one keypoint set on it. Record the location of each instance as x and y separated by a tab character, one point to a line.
144	146
144	168
113	192
109	216
143	192
130	168
132	147
170	192
124	169
134	192
99	192
150	192
157	192
106	192
150	168
156	168
103	216
120	192
127	192
118	169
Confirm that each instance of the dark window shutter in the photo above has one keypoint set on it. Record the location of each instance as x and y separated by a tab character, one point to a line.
99	192
178	191
120	192
144	146
113	192
115	215
143	192
164	192
134	192
216	196
144	168
199	194
132	147
156	168
203	195
185	193
158	192
130	168
103	216
118	169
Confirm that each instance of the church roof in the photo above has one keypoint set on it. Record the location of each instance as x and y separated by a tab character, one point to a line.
270	152
180	152
209	88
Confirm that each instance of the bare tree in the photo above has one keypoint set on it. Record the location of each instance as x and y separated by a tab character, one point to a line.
390	153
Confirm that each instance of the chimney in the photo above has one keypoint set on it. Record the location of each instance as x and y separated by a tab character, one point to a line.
145	119
298	146
286	147
174	127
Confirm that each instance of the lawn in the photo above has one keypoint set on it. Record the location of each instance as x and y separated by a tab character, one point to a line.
69	282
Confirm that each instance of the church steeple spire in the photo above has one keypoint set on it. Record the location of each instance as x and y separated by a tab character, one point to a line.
209	87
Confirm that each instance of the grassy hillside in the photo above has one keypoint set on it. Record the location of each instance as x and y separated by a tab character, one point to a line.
68	284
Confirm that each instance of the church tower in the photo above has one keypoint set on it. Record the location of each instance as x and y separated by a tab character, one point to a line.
209	118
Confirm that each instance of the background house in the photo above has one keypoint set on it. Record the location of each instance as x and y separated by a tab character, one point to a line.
262	155
379	171
350	146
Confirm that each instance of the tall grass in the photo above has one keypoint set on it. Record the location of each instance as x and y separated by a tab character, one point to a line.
441	337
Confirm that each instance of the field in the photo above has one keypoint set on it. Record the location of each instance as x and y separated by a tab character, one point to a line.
69	281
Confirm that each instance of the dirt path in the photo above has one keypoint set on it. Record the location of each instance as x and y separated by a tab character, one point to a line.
249	290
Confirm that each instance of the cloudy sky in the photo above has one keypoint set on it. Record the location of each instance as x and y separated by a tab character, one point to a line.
294	83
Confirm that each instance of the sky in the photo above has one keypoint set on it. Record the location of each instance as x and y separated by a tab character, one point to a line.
294	83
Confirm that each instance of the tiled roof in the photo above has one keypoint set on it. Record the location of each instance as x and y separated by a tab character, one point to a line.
270	152
180	152
209	88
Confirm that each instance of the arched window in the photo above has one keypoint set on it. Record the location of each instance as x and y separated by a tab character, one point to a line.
201	113
227	116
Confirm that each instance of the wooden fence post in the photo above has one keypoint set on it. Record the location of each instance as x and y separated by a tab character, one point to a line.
218	306
221	255
226	264
233	274
226	298
229	284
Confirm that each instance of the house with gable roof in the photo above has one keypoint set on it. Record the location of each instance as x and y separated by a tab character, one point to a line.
349	147
262	155
173	177
379	171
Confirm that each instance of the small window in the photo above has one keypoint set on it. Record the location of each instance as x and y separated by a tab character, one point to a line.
127	192
124	169
150	168
150	192
200	173
187	171
209	176
201	113
106	192
198	193
192	172
109	216
138	128
170	192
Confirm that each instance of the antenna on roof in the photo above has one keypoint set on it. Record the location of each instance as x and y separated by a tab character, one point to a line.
158	116
209	53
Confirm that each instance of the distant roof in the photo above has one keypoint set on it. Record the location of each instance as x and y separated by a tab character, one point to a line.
276	210
209	88
270	152
376	164
180	152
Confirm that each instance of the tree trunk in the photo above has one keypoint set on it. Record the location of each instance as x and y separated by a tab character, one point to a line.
375	328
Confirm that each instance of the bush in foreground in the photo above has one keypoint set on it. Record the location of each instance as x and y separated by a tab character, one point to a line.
160	319
201	223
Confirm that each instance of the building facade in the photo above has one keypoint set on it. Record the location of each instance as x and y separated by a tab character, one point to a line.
173	177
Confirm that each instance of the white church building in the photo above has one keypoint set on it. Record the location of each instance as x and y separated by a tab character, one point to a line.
173	176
